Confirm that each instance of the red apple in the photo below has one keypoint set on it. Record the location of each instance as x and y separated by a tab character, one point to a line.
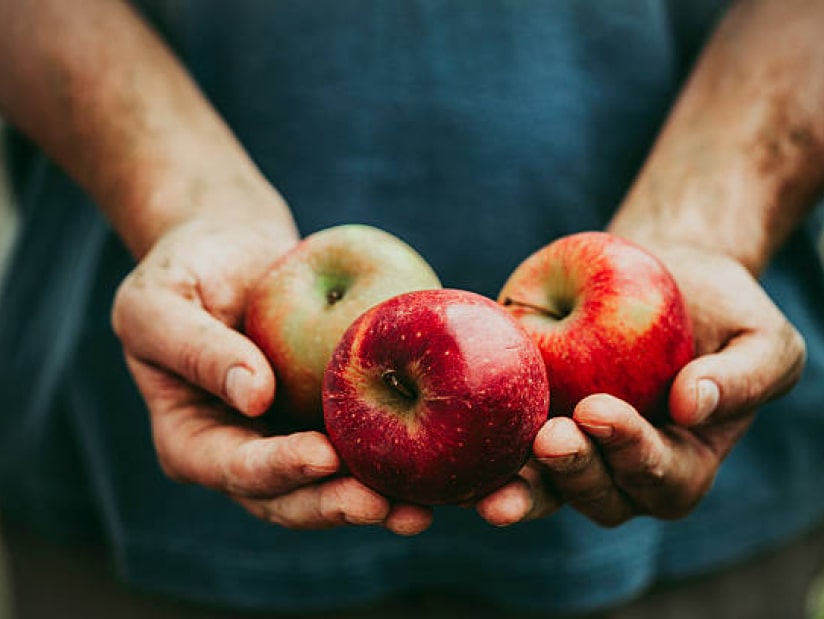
608	318
435	397
300	309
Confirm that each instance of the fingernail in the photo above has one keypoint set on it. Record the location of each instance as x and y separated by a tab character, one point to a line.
563	463
237	387
320	461
602	432
320	458
708	396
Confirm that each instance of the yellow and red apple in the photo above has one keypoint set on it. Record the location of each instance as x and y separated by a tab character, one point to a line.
607	316
302	306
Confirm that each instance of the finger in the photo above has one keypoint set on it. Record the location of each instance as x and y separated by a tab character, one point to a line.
507	505
753	368
662	472
527	497
235	461
407	520
337	502
578	473
166	330
201	441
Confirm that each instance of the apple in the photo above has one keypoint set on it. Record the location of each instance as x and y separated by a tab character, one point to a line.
435	397
301	307
607	316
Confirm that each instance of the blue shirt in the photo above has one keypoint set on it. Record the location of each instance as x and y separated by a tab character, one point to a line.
477	132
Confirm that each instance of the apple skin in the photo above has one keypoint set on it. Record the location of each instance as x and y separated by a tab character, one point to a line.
435	397
301	307
620	324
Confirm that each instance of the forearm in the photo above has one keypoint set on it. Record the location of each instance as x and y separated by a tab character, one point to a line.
104	97
740	160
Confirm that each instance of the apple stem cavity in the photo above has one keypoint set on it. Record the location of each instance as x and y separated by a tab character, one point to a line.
333	296
509	301
401	387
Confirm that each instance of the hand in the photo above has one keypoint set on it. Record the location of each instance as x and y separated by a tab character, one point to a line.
206	384
611	464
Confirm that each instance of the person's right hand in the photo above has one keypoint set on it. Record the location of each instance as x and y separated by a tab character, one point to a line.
206	384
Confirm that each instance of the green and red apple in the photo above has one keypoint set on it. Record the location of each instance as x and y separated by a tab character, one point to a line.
302	306
607	316
435	397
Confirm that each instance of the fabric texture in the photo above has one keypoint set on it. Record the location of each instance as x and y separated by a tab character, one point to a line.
477	132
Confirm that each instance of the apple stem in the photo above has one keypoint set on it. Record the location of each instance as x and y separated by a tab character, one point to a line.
333	296
543	310
390	377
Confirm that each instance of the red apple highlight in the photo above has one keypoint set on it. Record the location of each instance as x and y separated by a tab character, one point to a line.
299	310
435	397
607	316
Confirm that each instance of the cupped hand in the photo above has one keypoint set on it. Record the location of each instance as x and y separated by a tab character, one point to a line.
611	464
206	385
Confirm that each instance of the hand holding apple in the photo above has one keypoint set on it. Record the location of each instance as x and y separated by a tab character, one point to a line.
205	384
435	397
299	310
608	318
611	464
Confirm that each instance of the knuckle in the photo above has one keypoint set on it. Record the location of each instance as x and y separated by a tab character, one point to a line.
237	471
330	506
273	516
285	512
295	445
190	362
120	307
130	293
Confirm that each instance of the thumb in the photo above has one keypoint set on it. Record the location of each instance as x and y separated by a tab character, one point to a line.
751	369
168	331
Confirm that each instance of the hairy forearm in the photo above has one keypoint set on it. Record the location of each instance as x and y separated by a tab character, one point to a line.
740	161
106	99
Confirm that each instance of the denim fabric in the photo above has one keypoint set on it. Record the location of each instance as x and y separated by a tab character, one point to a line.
477	132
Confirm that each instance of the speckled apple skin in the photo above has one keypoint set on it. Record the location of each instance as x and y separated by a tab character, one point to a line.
627	332
481	397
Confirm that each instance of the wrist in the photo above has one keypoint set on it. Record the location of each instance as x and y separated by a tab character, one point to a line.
158	197
695	217
727	205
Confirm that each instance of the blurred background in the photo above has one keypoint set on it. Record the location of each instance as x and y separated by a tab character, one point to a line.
8	226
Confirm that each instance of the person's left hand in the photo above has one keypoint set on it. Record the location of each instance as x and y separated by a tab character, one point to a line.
611	464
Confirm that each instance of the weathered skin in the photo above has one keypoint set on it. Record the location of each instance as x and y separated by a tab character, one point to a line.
435	397
608	318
